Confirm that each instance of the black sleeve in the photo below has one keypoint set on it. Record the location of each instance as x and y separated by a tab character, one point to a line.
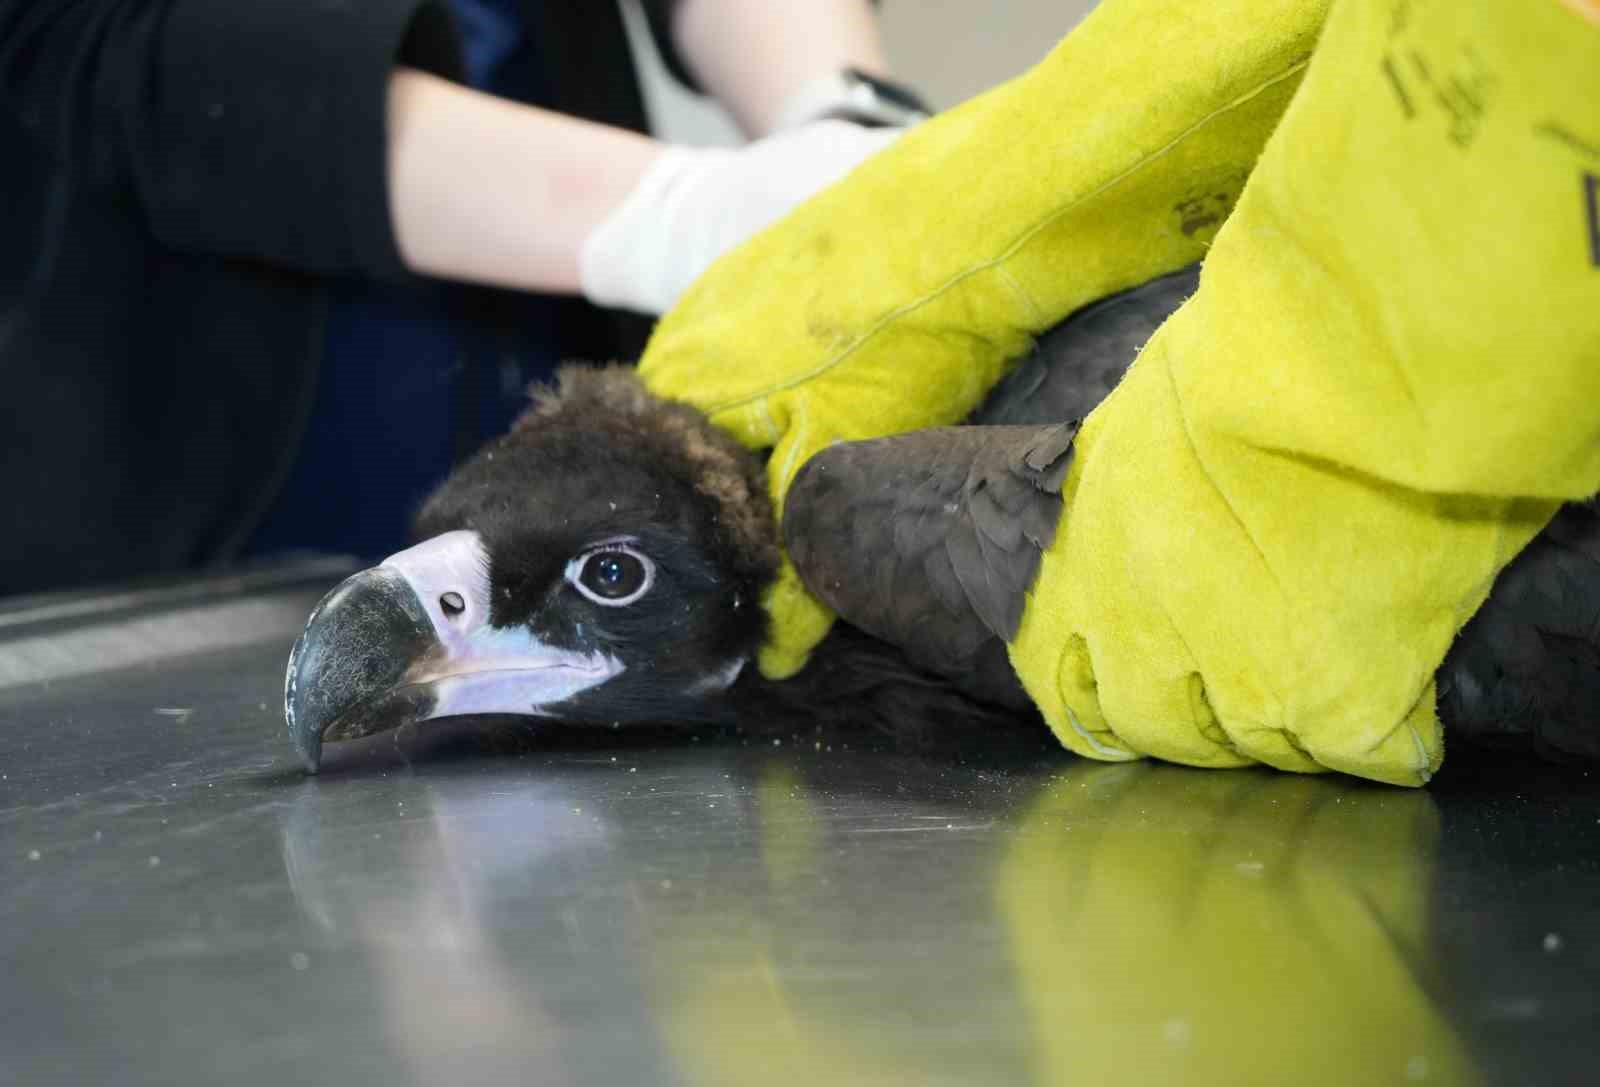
244	128
659	13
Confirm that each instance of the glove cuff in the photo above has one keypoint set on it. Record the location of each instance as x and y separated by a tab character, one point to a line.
628	261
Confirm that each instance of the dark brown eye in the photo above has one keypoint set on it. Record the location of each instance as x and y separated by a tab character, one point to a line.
613	576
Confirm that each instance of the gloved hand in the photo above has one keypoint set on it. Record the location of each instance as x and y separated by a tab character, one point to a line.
695	203
896	299
1383	389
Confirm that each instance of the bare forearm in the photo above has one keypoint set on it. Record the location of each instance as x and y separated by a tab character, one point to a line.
489	191
753	55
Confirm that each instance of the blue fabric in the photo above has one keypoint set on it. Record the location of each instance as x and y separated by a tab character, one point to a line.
411	381
491	31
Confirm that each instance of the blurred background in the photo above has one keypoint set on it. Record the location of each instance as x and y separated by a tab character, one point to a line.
949	50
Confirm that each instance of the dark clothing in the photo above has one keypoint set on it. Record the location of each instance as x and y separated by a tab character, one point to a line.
413	376
412	381
183	185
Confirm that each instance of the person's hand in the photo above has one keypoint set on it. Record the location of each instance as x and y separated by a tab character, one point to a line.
486	190
895	299
693	204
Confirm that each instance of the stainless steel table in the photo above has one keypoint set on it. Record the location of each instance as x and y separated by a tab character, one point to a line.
483	903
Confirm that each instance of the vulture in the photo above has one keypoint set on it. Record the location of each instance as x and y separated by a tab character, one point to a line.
604	563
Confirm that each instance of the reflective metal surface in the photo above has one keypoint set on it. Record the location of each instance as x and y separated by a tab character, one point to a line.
477	903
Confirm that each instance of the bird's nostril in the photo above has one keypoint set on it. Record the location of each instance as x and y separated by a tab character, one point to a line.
452	604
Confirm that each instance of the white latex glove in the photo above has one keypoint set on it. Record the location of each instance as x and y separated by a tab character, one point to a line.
693	204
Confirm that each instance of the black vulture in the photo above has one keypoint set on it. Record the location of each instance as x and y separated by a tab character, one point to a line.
604	563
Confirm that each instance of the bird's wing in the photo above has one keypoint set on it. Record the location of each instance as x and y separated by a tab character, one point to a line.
1076	364
1525	671
931	540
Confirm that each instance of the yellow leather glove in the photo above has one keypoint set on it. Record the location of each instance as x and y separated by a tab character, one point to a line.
1386	384
895	299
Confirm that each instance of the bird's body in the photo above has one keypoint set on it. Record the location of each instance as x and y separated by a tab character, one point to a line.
604	563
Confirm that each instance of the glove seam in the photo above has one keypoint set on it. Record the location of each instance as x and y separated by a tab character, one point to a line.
1423	767
1105	751
1244	530
1424	762
1017	245
1233	515
788	469
774	431
1038	318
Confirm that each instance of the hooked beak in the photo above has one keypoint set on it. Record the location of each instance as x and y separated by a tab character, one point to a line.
409	640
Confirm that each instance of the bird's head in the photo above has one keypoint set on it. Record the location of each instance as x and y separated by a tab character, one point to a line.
603	562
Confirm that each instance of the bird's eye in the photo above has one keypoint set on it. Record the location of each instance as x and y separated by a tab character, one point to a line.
614	576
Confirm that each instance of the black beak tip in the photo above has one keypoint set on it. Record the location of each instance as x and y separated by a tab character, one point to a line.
306	736
357	645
